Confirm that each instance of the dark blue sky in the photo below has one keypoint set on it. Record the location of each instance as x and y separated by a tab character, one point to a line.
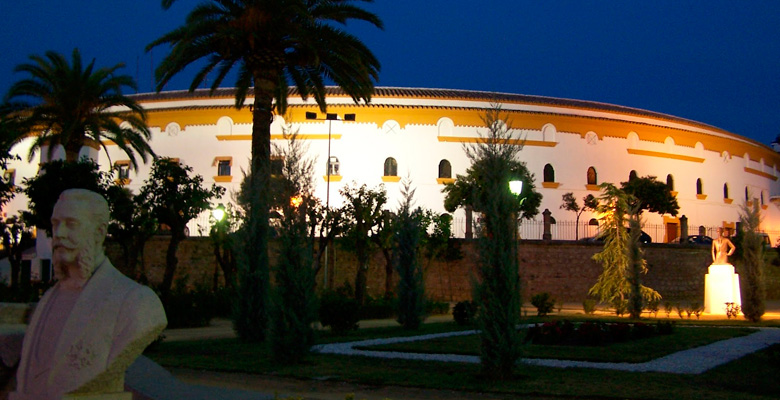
716	62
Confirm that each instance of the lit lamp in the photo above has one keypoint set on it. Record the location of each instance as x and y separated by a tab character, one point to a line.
516	187
218	213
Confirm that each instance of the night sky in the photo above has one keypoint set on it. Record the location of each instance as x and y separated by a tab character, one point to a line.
717	62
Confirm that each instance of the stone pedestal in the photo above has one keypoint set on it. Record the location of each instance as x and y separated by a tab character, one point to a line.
721	286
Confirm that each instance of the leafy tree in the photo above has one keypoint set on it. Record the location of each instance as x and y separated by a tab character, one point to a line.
10	133
384	238
76	104
648	193
621	258
272	43
486	189
494	158
294	305
17	237
362	212
409	234
131	226
589	203
44	189
174	197
752	263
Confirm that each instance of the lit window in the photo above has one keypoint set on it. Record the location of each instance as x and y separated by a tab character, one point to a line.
592	178
333	166
699	189
549	173
124	171
445	169
223	168
391	167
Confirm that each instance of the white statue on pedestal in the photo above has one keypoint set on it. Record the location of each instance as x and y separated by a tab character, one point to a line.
89	327
721	284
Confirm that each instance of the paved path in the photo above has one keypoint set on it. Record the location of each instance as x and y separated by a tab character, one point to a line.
691	361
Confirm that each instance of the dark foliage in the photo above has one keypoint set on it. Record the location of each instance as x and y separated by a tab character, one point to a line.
464	312
339	310
543	302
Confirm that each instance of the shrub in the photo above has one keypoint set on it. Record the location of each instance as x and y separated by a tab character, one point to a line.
339	310
464	312
188	308
543	302
433	307
653	306
589	306
378	308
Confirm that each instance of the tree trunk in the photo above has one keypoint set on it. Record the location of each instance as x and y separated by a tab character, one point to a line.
177	235
388	273
361	276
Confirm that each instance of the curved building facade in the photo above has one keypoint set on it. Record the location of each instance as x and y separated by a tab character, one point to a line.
570	146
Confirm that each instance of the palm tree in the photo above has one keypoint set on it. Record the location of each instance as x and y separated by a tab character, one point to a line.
73	104
272	43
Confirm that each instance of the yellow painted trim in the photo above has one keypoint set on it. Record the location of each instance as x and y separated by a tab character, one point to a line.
333	178
108	142
764	207
223	178
123	182
222	158
749	204
729	225
593	187
728	201
701	196
551	185
674	193
442	181
391	179
516	142
664	155
335	136
760	173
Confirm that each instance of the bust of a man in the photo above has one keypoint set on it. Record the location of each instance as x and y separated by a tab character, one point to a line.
90	326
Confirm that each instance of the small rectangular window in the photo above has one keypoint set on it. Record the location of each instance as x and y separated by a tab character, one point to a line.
124	171
223	168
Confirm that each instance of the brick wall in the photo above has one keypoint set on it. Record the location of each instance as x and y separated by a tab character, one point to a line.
564	269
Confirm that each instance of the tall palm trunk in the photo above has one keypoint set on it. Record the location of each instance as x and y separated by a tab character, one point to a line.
251	320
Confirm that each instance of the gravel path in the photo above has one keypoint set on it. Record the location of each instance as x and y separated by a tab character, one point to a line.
691	361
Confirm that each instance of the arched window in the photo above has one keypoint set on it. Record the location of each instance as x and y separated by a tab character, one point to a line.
391	167
549	173
593	222
747	194
445	169
762	197
725	190
670	181
592	178
698	187
631	175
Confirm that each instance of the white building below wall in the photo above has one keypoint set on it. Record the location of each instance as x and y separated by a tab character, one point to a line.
570	146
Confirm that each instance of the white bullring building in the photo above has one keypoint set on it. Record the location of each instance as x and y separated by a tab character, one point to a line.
570	146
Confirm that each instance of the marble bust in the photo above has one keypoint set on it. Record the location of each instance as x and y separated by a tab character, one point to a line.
90	326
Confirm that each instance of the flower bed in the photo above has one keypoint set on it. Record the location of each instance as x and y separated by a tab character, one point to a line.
593	333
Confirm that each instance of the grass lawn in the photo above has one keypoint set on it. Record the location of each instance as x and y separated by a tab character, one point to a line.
752	377
632	352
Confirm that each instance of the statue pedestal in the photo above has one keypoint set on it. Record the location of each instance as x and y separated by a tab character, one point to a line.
721	286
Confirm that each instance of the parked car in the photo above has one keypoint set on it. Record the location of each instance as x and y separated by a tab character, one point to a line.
643	238
703	240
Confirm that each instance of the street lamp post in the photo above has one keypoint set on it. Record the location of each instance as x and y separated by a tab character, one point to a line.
330	117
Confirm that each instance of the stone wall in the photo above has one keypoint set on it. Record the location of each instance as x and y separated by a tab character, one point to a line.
564	269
